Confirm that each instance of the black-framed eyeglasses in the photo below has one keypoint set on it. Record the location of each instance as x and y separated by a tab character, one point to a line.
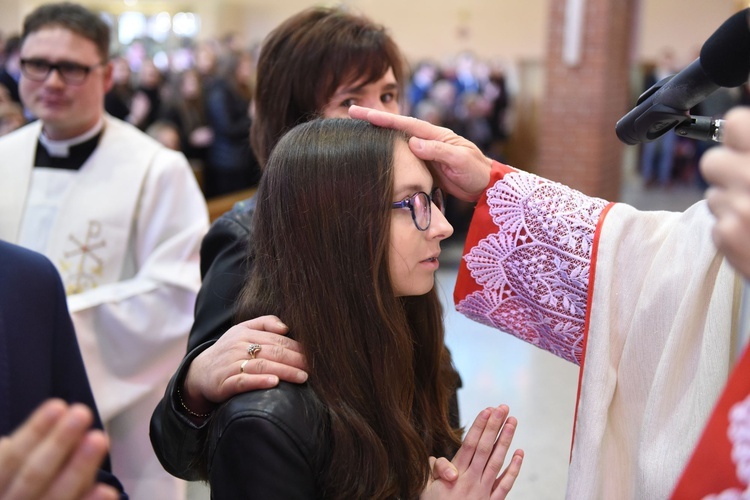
72	73
420	205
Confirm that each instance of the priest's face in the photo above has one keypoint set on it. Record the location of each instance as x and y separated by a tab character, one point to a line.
69	99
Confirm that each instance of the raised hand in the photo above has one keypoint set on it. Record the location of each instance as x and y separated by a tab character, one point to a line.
54	454
479	461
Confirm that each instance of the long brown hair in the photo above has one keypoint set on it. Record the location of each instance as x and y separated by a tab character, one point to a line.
377	362
305	59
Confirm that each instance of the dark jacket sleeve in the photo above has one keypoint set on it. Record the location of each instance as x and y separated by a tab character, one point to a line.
39	354
177	440
224	267
267	444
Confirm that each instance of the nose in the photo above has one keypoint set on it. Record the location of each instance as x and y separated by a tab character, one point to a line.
54	78
440	228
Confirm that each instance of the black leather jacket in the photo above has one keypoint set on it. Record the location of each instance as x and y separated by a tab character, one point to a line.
177	441
269	444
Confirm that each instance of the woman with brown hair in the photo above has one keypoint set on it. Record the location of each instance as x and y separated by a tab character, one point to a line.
318	63
315	64
349	264
187	110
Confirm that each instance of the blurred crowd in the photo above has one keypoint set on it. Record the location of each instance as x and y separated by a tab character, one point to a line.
200	102
466	94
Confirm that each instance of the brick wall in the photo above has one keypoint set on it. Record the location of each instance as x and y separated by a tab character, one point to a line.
577	141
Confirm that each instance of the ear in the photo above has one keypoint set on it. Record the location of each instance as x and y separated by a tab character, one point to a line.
108	80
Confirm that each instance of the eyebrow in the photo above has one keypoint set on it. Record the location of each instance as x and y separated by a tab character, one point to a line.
410	189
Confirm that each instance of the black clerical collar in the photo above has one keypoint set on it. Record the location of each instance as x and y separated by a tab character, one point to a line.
70	154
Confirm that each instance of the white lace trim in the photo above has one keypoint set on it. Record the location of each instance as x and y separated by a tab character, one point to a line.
535	270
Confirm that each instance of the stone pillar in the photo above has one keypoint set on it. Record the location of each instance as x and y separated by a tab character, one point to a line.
586	92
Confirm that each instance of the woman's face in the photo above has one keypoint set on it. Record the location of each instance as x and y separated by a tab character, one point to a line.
149	75
190	88
381	94
413	255
244	70
120	71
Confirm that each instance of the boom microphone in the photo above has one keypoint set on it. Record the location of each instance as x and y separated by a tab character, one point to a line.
724	62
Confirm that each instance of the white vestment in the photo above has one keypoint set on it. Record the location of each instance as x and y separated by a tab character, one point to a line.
125	234
642	300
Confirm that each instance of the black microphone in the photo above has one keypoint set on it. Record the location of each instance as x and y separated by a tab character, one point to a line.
724	62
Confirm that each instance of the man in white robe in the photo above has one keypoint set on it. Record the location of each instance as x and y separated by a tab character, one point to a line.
643	301
120	216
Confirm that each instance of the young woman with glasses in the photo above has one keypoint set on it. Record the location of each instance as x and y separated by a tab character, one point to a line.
315	64
349	263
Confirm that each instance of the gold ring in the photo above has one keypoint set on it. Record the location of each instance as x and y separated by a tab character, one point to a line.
242	366
253	349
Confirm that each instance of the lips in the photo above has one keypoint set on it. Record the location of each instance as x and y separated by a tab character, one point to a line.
434	258
52	101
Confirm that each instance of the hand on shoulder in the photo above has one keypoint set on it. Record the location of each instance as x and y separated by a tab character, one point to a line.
254	354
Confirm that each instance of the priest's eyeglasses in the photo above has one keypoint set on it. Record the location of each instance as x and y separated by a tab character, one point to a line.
420	205
38	70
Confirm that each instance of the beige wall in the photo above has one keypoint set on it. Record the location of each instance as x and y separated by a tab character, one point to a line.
681	24
505	29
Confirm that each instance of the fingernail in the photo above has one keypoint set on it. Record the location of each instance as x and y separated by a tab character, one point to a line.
280	324
273	380
90	449
451	474
53	410
76	421
302	376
